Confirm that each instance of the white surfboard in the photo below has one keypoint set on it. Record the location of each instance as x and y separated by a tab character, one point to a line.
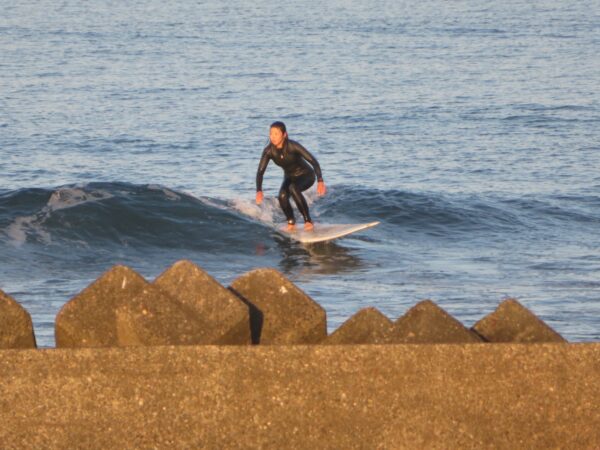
325	232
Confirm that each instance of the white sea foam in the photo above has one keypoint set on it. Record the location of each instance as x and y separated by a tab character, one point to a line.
269	210
171	195
69	197
16	230
264	212
22	226
62	198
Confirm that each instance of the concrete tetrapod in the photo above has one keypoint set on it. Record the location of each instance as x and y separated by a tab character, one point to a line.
154	318
512	322
367	326
226	316
427	323
89	319
280	313
16	328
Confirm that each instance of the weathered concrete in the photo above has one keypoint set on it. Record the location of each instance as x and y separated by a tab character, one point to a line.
88	319
374	396
512	322
154	318
367	326
427	323
226	316
280	313
16	328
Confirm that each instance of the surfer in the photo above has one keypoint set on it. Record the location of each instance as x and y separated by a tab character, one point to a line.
298	174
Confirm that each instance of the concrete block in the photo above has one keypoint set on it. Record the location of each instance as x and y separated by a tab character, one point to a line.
512	322
368	326
154	318
16	328
427	323
447	396
227	318
280	313
88	319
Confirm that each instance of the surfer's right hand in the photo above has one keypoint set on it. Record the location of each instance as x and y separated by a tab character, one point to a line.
259	197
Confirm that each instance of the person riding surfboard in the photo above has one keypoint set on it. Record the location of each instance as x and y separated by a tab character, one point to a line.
298	176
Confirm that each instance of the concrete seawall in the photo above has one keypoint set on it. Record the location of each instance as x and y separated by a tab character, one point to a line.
364	396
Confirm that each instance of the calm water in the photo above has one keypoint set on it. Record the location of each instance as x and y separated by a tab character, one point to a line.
130	133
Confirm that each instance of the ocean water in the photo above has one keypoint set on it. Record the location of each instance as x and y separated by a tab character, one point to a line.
130	133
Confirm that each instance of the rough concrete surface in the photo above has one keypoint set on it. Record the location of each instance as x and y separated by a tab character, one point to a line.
88	319
280	313
427	323
445	396
227	317
512	322
154	318
367	326
16	328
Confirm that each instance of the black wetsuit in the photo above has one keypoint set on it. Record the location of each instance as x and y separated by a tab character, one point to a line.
298	175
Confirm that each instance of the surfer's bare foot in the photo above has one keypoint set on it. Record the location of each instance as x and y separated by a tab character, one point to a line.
291	227
308	226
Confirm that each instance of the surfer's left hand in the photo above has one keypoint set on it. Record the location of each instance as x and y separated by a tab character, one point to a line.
321	189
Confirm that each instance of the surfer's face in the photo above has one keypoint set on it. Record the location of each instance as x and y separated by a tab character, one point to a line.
277	137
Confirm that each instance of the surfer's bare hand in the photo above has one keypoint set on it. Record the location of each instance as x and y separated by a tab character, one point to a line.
259	197
321	189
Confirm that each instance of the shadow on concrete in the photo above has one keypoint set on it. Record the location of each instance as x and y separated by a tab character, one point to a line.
256	318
